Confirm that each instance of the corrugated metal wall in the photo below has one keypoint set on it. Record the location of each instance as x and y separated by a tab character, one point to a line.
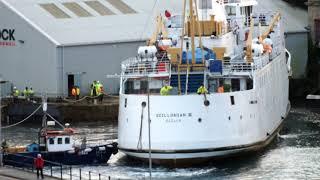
31	60
297	44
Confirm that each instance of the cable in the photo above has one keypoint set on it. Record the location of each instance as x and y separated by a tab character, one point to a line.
148	20
4	127
75	100
55	120
139	145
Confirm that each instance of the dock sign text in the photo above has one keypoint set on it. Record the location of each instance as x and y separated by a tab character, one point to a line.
7	37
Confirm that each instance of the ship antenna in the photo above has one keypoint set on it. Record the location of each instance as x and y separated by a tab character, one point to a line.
181	48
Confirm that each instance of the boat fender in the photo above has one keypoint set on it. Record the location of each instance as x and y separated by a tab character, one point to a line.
147	51
102	148
87	150
257	49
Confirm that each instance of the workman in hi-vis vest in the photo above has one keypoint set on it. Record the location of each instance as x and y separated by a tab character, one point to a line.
202	90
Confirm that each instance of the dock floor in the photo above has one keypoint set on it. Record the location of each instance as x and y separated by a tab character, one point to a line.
7	173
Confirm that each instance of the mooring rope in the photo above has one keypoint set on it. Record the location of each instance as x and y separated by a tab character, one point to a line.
74	101
4	127
85	97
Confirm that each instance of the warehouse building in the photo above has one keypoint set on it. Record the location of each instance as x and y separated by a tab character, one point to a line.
52	45
295	20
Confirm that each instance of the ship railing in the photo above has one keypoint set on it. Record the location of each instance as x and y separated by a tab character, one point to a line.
242	67
141	67
278	46
261	61
236	1
262	17
233	67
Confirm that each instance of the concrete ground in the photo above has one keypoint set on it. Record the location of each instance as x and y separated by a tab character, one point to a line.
7	173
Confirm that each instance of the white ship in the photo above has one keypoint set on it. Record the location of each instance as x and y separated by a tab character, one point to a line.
224	44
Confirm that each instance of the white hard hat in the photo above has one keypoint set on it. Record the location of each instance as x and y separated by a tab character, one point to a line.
39	155
14	87
98	81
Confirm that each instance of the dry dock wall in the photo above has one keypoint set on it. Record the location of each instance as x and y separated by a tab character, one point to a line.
13	112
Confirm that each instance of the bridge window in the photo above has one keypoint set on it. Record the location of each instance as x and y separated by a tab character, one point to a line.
59	140
232	100
67	140
249	83
235	84
141	86
51	141
205	4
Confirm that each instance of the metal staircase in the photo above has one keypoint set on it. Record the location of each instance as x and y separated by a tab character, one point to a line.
194	82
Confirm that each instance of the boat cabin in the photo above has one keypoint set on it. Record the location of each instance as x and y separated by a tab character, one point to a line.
53	140
59	143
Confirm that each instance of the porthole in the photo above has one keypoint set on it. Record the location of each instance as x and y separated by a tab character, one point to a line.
143	104
206	103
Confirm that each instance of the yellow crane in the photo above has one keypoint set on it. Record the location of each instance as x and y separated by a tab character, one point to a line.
160	29
249	42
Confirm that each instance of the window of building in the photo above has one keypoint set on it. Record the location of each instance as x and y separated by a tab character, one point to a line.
59	140
67	140
51	141
231	10
205	4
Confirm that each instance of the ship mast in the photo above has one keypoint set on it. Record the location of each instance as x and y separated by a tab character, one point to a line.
192	25
181	49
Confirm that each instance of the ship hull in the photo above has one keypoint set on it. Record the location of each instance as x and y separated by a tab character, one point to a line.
184	129
199	156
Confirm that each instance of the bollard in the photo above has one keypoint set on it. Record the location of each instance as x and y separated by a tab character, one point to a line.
70	172
51	170
99	176
80	173
109	178
60	171
89	175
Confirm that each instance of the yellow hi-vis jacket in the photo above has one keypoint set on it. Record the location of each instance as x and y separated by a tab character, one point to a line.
99	88
77	91
202	90
16	92
165	90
